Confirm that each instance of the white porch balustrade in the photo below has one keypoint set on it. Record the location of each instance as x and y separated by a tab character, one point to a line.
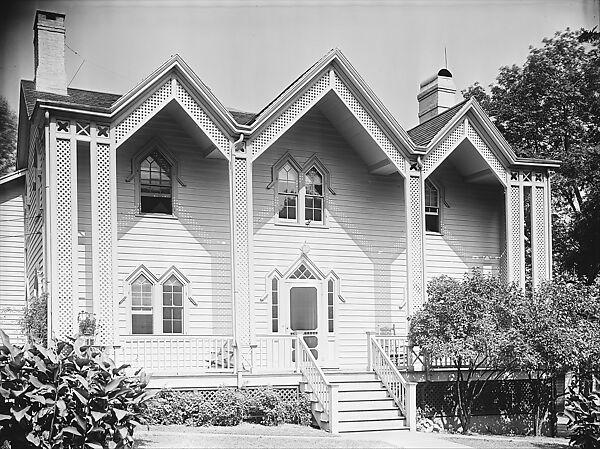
273	353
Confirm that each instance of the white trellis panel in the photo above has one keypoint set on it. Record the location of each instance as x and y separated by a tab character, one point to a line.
416	233
515	234
202	119
540	244
369	124
65	290
296	110
102	238
441	151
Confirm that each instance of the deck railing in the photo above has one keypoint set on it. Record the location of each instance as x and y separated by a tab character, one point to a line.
273	353
402	391
178	354
409	357
325	392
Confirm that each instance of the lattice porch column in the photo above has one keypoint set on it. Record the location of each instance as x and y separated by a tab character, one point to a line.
515	229
104	230
241	210
541	226
415	218
62	219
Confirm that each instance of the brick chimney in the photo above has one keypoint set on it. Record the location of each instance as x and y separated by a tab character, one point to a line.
49	52
437	94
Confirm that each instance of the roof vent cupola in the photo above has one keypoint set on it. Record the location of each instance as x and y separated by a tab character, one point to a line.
49	52
437	94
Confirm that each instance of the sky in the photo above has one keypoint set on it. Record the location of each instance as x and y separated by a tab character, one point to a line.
247	51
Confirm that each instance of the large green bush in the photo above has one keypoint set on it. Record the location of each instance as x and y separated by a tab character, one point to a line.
64	396
228	407
583	411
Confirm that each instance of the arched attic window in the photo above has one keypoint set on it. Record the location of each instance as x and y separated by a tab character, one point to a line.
156	189
287	192
314	195
432	207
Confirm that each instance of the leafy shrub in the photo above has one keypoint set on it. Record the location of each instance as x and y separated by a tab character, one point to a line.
63	397
34	323
583	412
228	408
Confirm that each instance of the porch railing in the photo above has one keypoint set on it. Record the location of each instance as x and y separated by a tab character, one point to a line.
178	354
403	392
408	357
273	353
325	392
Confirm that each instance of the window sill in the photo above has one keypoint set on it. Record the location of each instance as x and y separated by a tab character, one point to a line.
433	233
159	216
298	225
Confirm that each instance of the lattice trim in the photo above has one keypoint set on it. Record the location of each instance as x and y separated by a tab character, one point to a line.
416	241
515	233
155	102
439	153
297	109
486	153
202	119
369	124
538	229
64	242
104	245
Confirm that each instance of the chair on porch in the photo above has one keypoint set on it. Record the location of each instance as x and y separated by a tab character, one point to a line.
223	358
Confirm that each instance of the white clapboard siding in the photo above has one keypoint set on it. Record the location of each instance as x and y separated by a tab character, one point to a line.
84	231
12	258
197	241
472	227
364	241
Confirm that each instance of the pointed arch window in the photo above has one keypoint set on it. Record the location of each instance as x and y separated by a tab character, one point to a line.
141	306
156	184
432	207
314	199
172	306
287	192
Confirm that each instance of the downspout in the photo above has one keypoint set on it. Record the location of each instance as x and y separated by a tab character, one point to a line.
46	223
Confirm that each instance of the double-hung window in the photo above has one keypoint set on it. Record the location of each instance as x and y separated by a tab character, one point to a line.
141	306
432	207
172	306
300	192
156	185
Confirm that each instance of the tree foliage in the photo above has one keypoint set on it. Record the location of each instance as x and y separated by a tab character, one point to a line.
550	108
65	396
8	138
471	321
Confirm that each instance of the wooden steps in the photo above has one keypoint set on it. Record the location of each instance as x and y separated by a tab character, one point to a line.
363	404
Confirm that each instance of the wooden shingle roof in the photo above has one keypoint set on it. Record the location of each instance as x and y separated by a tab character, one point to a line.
424	133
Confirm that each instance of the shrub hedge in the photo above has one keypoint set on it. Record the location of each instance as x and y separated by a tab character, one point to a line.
228	407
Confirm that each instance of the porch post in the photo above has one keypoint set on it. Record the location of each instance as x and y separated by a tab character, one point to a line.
104	231
241	211
415	237
515	229
62	220
541	234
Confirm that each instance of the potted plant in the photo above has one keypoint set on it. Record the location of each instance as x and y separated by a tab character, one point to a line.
87	327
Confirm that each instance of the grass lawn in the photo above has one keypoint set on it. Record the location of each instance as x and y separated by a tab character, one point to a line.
508	442
245	435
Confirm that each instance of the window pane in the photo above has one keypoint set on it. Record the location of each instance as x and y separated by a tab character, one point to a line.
141	324
432	223
303	308
177	327
287	207
287	179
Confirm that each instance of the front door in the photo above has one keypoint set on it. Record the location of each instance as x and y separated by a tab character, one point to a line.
303	313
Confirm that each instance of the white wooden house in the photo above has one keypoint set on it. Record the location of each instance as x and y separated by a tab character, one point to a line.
219	247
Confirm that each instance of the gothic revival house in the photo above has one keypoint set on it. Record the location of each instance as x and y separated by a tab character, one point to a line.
219	247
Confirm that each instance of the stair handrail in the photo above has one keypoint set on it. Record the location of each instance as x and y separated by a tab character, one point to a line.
325	392
402	391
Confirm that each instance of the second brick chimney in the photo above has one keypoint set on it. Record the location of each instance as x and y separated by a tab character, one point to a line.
49	52
437	94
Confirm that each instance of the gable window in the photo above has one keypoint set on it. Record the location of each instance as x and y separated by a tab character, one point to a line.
155	185
141	306
330	290
313	202
287	192
274	305
432	207
172	300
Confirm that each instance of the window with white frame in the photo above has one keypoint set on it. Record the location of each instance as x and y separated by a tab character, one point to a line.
156	184
300	192
142	315
172	306
274	305
432	207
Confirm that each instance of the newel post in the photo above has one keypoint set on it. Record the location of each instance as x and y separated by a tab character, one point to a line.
369	351
411	405
297	351
333	408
